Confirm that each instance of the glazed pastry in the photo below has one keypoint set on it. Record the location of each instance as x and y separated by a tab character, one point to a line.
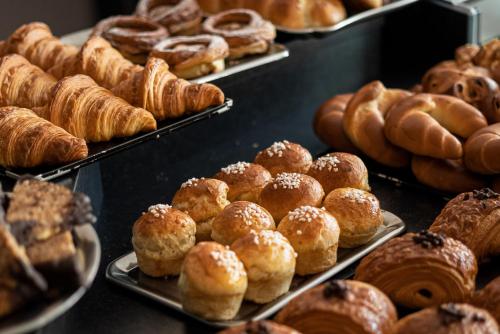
27	140
161	238
133	36
448	319
40	210
488	298
284	156
244	30
213	282
202	199
424	124
358	215
446	175
314	234
340	170
466	53
340	306
238	219
269	260
481	150
420	270
489	57
191	57
364	123
180	17
260	327
88	111
474	219
23	84
289	191
328	124
245	180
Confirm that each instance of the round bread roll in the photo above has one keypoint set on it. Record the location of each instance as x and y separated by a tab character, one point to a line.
269	260
314	234
488	298
284	156
202	199
340	306
358	215
161	238
448	319
238	219
289	191
340	170
245	180
213	282
260	327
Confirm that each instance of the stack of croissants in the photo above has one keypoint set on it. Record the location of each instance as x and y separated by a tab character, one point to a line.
55	98
447	128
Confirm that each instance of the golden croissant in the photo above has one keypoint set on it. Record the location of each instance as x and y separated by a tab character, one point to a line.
93	113
27	140
23	84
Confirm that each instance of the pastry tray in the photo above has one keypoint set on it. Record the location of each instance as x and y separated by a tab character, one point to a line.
275	53
124	272
98	151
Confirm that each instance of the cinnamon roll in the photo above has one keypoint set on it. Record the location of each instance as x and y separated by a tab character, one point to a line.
133	36
488	298
180	17
474	219
421	269
340	307
244	30
193	56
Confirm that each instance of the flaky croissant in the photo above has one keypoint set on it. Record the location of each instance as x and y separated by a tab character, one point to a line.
23	84
421	270
27	140
93	113
481	150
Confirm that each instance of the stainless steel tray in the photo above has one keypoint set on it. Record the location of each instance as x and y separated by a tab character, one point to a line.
275	53
124	272
38	315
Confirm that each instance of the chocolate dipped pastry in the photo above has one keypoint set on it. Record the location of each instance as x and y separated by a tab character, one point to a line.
284	156
340	306
244	30
260	327
133	36
421	269
474	219
191	57
488	298
448	319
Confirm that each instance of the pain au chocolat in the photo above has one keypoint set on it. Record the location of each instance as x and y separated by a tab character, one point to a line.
488	298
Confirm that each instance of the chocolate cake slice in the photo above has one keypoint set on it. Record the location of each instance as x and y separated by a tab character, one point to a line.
39	210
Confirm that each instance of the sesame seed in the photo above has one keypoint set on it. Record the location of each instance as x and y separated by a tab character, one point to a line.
287	181
304	214
159	210
229	261
328	162
278	148
192	182
237	168
250	213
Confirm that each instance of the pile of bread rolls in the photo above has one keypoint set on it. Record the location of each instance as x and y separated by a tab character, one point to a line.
246	232
447	128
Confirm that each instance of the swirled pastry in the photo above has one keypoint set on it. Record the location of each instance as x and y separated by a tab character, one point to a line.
133	36
488	298
340	307
244	30
421	269
190	57
474	219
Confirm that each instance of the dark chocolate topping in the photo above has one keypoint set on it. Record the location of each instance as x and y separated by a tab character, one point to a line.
336	288
478	318
259	327
449	314
82	210
428	239
484	194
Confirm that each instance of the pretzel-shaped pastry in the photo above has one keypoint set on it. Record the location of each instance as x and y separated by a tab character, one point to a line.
133	36
193	56
180	17
245	31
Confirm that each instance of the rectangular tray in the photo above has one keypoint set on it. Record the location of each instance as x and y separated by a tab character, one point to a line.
124	272
275	53
98	151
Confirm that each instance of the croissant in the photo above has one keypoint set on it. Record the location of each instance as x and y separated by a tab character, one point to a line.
481	150
423	124
93	113
340	306
474	219
23	84
421	270
488	298
488	56
27	140
364	123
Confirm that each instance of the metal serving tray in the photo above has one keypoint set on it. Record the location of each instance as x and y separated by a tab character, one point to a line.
98	151
124	272
275	53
